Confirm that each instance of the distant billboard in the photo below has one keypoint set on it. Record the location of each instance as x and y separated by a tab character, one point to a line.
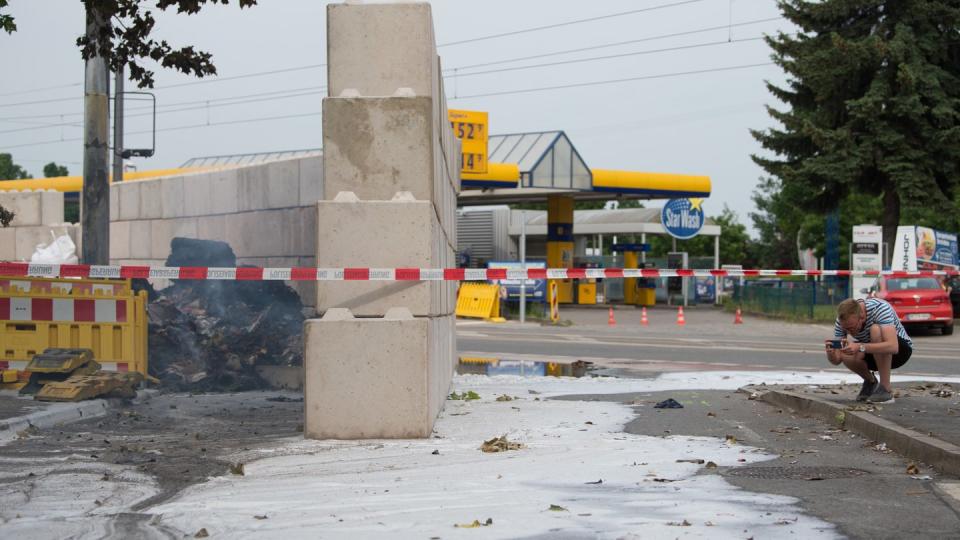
536	288
923	248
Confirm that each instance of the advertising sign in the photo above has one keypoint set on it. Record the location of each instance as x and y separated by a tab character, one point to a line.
935	249
471	128
682	218
904	252
923	248
536	288
866	254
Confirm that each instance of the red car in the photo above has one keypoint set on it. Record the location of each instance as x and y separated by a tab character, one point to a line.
919	301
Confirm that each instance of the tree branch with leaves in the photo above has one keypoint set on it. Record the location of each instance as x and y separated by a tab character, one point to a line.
128	40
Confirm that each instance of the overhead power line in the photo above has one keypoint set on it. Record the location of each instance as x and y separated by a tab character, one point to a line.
615	44
502	93
606	57
611	81
567	23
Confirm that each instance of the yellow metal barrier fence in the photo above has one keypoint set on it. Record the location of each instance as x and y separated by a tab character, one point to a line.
479	300
105	316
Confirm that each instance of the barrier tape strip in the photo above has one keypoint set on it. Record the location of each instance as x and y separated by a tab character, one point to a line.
15	269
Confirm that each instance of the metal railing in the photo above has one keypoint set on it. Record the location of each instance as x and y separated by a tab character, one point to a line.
811	300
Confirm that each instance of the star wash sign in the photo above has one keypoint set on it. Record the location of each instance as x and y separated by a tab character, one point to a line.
682	218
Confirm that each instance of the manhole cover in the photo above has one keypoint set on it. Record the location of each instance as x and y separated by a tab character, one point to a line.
794	473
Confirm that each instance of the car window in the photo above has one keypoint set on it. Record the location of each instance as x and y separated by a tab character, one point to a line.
899	284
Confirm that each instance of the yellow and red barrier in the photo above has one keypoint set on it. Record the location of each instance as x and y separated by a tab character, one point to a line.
104	316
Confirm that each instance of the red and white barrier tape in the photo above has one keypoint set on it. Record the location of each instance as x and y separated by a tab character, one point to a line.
409	274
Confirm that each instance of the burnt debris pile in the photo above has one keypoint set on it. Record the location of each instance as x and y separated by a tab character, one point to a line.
211	335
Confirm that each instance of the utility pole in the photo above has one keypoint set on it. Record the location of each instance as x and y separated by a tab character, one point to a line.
117	126
95	203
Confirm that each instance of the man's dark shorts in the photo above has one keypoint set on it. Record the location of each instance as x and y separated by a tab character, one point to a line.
899	359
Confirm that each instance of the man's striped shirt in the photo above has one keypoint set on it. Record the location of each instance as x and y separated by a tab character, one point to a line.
878	312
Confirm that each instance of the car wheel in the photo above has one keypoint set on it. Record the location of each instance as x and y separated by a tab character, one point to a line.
947	330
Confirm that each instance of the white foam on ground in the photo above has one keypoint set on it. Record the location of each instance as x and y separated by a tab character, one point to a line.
400	489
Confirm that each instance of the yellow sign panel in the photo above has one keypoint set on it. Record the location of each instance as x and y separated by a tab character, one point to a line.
471	128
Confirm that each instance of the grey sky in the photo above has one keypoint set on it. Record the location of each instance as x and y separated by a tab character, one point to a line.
694	124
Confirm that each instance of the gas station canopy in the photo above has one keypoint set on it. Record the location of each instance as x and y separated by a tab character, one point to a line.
530	167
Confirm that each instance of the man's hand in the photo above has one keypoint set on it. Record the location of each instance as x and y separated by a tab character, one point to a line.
833	355
850	348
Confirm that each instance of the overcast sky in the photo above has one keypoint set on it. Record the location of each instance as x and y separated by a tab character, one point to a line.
658	121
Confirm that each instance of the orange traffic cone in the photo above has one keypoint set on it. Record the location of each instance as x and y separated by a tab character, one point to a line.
610	320
738	319
680	320
643	317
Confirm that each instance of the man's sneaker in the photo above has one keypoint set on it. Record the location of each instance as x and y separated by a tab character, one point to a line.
880	395
868	389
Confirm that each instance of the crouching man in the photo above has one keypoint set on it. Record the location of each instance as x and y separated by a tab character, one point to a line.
872	340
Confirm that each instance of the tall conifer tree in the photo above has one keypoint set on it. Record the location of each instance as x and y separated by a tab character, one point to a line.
872	106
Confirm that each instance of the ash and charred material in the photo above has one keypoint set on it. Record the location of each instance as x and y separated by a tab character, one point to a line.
211	335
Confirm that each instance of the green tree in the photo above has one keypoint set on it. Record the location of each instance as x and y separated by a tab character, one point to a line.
52	170
6	21
129	42
10	170
873	107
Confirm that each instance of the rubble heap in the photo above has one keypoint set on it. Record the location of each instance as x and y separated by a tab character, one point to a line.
211	335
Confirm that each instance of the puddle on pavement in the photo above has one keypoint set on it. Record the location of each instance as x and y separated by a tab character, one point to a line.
525	368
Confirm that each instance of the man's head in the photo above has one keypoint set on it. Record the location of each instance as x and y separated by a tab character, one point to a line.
851	316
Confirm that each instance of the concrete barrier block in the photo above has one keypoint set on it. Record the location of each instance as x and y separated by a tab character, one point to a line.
376	147
311	180
151	199
160	236
140	239
120	239
28	238
198	195
26	205
224	188
307	229
283	183
8	244
114	202
260	234
377	234
342	372
129	200
212	227
252	188
377	48
172	195
51	203
185	227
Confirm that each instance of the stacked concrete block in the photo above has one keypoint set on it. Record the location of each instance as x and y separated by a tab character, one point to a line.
266	212
38	219
32	208
390	202
394	389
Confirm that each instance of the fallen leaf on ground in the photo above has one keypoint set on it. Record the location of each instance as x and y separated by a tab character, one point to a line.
913	469
236	468
500	444
683	523
711	465
476	524
600	481
260	517
697	461
557	508
505	398
202	533
731	439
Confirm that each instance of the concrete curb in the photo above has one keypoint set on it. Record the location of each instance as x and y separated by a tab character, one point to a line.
941	455
57	413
